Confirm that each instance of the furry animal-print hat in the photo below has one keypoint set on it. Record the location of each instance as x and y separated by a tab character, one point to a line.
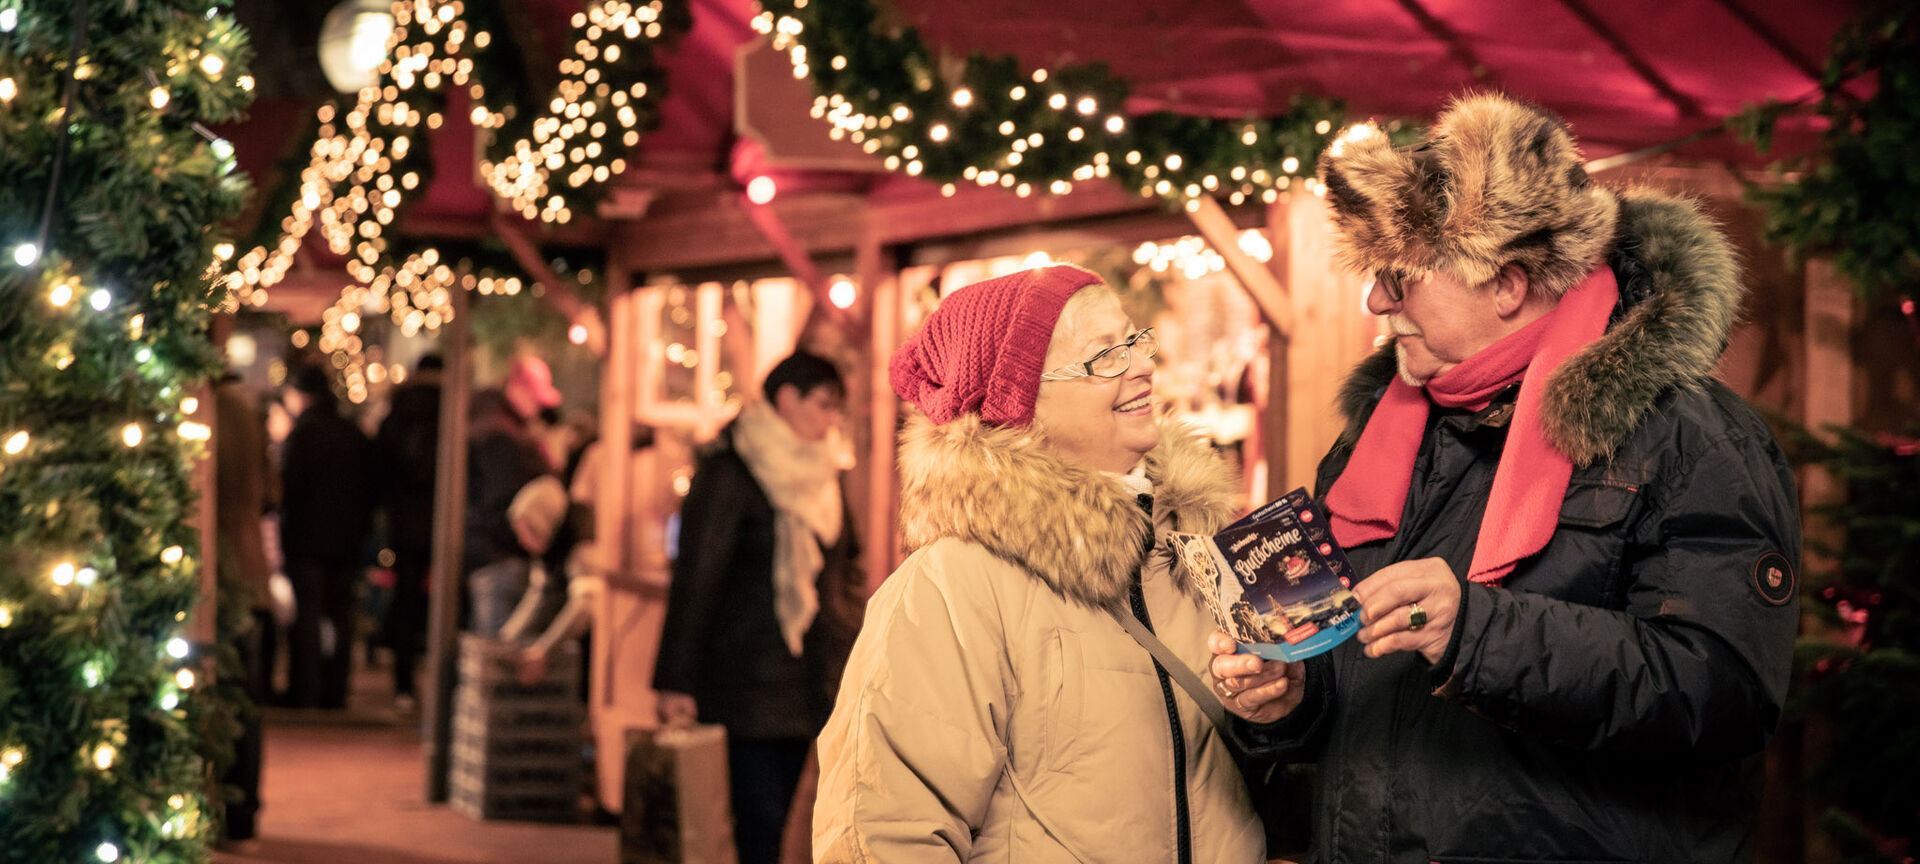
1496	181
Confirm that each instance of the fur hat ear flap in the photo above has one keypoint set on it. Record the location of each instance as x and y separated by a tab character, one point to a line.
1496	182
1386	204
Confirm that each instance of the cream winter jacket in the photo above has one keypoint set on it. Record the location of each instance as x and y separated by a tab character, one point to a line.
993	710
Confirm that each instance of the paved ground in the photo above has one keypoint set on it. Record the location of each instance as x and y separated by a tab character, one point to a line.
347	788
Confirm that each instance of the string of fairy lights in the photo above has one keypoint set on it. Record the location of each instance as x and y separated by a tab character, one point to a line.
994	125
368	159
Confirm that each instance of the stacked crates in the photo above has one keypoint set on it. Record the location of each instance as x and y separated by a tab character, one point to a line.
516	747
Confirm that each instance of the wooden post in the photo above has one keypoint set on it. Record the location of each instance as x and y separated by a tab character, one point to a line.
883	487
612	519
1276	415
449	536
1334	332
1829	386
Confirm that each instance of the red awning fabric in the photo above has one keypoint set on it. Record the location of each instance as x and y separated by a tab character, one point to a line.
1626	74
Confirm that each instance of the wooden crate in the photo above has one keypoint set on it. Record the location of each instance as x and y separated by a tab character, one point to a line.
516	749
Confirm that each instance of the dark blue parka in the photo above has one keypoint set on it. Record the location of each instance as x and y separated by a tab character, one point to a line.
1610	701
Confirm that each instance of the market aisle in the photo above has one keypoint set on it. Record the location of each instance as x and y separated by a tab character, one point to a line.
346	787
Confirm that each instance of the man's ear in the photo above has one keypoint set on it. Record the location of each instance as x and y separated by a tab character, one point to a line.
1510	290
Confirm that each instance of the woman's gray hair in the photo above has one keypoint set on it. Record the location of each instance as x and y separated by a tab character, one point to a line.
1074	315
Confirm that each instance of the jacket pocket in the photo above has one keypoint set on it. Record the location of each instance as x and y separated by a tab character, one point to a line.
1595	504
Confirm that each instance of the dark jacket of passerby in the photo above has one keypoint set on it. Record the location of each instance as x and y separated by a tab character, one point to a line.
721	642
326	483
243	484
407	448
502	456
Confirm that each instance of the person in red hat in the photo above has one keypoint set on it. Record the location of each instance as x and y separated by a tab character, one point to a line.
995	708
502	458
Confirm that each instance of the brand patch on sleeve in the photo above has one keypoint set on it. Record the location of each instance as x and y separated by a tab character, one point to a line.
1773	578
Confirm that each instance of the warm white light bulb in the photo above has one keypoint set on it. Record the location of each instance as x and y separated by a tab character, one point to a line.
131	434
63	574
212	64
16	443
103	758
172	555
158	96
184	678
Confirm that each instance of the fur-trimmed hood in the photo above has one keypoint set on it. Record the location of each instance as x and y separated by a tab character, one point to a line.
1680	293
1075	529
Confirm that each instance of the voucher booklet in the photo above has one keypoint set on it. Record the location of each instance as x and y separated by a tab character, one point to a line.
1276	580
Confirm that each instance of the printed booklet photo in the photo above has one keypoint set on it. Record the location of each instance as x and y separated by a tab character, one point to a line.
1276	580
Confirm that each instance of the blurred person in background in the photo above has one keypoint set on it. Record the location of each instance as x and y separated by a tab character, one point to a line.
503	456
326	514
407	450
766	593
244	486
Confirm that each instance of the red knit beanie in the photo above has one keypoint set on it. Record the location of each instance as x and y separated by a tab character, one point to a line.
981	352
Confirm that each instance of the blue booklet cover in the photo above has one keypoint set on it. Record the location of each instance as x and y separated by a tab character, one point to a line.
1276	580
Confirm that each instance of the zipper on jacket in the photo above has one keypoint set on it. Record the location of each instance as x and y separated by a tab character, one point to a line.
1182	819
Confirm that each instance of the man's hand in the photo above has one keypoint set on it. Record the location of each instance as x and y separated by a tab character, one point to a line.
1409	606
1252	688
675	709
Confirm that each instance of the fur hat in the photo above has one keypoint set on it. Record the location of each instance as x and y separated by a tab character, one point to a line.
981	352
1495	182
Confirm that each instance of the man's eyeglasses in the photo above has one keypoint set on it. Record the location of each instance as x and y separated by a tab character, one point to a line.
1111	363
1393	281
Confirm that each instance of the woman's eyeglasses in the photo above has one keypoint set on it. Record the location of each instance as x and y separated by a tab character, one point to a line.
1111	363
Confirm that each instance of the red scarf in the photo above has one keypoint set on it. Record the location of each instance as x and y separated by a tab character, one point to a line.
1530	483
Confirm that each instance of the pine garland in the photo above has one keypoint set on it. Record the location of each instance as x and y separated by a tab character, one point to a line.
108	183
984	120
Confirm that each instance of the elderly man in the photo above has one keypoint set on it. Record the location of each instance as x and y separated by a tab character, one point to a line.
1578	549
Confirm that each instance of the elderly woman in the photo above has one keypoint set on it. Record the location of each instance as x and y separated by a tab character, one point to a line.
994	709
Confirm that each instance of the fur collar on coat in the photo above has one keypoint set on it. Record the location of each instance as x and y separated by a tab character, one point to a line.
1074	529
1679	300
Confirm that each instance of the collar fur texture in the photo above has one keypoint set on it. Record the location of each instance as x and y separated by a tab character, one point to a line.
1075	529
1680	293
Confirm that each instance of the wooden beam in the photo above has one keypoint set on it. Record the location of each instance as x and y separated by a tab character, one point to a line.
1688	107
1774	40
793	253
1217	227
1457	46
717	232
558	291
449	536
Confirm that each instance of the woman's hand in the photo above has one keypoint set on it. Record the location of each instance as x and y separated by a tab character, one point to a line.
1409	606
1255	689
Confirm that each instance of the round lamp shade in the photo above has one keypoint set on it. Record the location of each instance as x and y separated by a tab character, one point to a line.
353	43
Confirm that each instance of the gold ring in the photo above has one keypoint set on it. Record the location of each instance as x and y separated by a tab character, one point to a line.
1416	616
